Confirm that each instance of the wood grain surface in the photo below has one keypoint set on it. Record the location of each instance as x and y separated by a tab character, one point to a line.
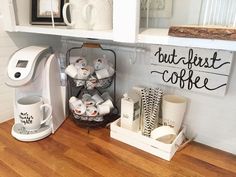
72	152
203	32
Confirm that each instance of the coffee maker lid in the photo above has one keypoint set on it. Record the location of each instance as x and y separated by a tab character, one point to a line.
23	63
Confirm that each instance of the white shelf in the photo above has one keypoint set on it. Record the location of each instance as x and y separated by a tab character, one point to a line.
147	36
64	31
160	36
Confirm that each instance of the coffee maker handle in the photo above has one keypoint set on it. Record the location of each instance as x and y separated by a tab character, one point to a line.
49	112
64	14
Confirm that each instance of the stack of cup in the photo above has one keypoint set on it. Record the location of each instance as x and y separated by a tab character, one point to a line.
173	110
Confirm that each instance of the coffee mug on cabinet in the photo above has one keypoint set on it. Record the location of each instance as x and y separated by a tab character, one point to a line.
31	112
79	14
101	14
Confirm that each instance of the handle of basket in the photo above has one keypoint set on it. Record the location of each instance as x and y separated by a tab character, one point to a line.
91	45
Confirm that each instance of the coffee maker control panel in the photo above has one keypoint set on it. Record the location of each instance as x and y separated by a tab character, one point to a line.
19	69
22	64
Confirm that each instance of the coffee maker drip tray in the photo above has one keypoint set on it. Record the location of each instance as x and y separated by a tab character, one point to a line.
20	133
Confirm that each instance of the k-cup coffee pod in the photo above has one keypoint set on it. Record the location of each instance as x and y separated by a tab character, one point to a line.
103	109
103	73
109	103
71	101
91	69
90	102
79	82
80	110
81	62
106	96
77	106
111	71
91	111
100	63
83	73
86	97
71	71
98	99
91	83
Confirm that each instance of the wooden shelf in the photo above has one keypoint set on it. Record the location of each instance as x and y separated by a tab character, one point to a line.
64	31
160	36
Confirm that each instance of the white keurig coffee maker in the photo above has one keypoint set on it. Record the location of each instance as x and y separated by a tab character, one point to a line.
39	101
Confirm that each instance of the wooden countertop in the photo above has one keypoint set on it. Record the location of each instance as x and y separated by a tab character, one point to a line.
71	152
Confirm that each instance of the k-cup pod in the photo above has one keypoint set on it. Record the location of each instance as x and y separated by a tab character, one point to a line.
165	134
97	98
111	71
109	103
77	106
91	111
71	71
80	110
100	63
90	68
71	101
103	73
79	82
90	102
106	96
80	62
86	97
91	83
103	109
83	73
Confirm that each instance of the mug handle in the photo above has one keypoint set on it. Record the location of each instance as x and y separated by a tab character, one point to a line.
87	14
65	16
49	110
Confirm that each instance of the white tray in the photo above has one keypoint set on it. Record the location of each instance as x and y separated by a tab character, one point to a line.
157	148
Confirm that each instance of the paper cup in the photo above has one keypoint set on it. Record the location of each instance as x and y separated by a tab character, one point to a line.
173	110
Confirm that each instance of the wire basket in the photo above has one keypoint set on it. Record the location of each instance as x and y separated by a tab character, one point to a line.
93	82
95	121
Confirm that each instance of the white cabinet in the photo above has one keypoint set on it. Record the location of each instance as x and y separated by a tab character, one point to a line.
129	23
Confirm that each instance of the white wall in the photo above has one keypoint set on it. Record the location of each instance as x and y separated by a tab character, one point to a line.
10	42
